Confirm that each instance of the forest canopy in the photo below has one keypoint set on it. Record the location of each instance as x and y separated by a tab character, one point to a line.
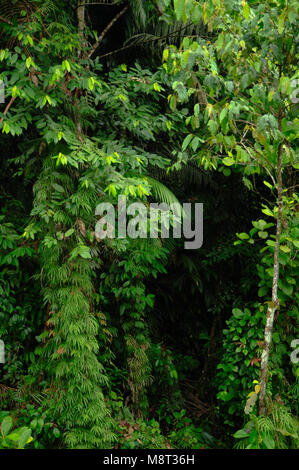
146	342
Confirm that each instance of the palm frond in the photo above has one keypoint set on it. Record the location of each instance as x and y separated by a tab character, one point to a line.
139	39
101	2
189	174
144	29
139	13
163	194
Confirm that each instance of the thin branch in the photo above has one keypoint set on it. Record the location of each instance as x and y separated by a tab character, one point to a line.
109	26
6	21
7	108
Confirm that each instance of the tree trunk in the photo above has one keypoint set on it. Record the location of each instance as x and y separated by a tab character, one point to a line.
273	305
81	19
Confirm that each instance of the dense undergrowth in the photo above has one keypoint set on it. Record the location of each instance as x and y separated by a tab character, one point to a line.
139	343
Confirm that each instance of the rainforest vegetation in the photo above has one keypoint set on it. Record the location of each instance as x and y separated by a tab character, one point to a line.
141	343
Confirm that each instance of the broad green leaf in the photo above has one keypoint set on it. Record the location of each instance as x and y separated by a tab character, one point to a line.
195	143
56	432
246	10
91	83
241	434
285	248
197	14
267	211
268	185
67	65
243	236
165	55
296	243
281	23
268	441
84	252
237	313
223	114
228	161
262	234
213	126
179	7
29	39
16	434
24	438
196	110
6	425
69	232
262	291
187	141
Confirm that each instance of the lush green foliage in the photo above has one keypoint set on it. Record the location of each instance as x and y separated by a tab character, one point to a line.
138	343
